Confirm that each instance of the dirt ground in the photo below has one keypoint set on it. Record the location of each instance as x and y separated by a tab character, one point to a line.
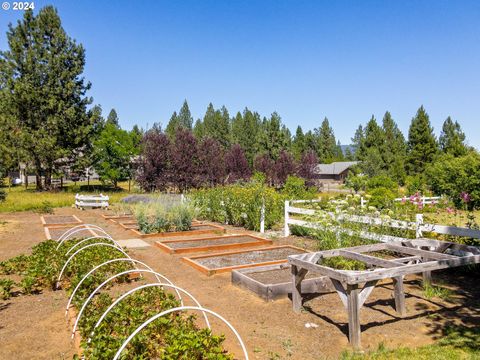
34	327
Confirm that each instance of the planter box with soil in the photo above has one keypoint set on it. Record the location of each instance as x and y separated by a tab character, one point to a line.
54	233
228	261
273	282
196	229
211	243
60	220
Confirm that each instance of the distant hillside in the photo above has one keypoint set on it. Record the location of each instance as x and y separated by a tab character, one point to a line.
345	147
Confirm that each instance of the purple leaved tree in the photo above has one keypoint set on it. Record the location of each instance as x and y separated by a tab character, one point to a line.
284	166
306	168
236	164
264	164
211	165
184	160
153	172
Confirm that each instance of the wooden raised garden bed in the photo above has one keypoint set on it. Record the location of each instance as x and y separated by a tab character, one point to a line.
228	261
211	243
54	233
196	229
60	220
273	282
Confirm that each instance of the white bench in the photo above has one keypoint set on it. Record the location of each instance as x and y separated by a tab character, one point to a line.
92	201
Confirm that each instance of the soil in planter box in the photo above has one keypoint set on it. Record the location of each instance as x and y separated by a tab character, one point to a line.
211	242
277	276
58	219
250	257
56	233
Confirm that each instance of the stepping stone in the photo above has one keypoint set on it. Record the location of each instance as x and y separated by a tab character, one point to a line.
133	243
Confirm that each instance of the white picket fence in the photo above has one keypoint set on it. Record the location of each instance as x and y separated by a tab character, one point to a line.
424	200
92	201
418	226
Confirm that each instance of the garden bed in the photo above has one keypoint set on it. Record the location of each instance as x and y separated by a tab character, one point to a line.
54	233
211	243
60	220
196	229
275	281
225	262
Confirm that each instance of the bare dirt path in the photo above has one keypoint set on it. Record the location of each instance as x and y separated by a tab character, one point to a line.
34	326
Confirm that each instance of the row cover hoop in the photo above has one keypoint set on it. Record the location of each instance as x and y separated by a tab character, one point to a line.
176	288
92	294
85	247
93	237
134	261
66	238
181	308
81	227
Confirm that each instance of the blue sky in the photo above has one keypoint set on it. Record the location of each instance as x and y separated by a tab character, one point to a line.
345	60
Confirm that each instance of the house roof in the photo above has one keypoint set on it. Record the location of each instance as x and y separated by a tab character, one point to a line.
334	168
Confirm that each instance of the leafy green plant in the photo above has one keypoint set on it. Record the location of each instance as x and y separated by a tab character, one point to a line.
163	217
6	286
46	207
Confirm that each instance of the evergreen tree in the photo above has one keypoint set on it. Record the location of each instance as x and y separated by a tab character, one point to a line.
217	125
245	129
452	138
172	126
422	145
371	147
45	92
327	145
299	145
394	150
339	152
349	156
358	143
185	119
112	118
311	141
199	129
273	137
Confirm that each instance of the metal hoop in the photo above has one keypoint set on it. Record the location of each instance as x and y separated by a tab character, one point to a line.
181	308
92	294
140	288
80	227
90	238
80	230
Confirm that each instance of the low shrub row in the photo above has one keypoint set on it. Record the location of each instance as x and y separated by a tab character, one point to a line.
161	217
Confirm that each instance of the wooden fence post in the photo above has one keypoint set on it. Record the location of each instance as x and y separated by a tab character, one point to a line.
287	229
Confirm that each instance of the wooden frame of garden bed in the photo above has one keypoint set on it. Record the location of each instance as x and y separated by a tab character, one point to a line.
210	271
256	241
76	222
274	291
359	284
66	227
212	228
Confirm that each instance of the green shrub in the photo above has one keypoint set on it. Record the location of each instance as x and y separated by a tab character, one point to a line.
6	288
381	197
295	188
163	217
381	181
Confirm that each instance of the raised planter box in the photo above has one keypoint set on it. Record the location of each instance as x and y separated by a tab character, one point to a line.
60	220
273	282
211	243
228	261
197	229
53	233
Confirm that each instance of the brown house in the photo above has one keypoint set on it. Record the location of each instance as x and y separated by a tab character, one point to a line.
336	171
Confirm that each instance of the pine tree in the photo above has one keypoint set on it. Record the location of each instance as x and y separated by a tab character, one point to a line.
452	139
112	118
199	129
217	125
273	137
185	119
45	94
422	145
245	129
327	145
371	148
394	150
358	143
172	126
299	145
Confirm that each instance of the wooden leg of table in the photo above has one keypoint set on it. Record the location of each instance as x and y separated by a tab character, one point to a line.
297	277
399	294
353	309
427	278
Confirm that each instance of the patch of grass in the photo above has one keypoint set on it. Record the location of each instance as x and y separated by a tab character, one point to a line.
458	342
21	199
432	291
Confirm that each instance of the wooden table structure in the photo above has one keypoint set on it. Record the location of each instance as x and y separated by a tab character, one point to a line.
354	287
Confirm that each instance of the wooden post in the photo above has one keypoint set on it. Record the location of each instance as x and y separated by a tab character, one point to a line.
297	277
287	229
399	294
427	278
353	309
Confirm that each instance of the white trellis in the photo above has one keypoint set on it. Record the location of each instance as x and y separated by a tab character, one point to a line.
181	308
92	294
157	275
144	287
86	247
